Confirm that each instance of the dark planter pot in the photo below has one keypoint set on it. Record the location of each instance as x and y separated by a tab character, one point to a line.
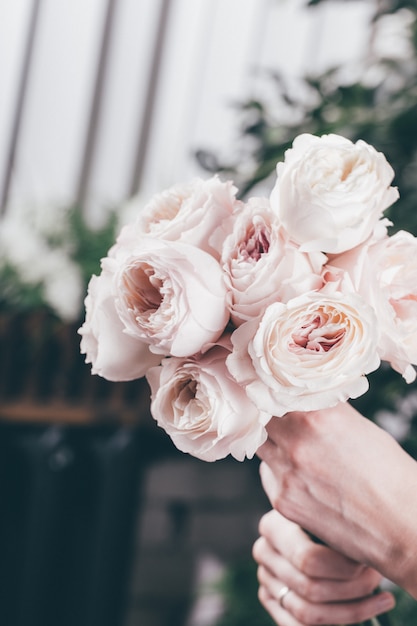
73	452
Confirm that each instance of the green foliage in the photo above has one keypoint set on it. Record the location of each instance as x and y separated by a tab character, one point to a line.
89	245
405	609
61	247
240	589
15	294
379	107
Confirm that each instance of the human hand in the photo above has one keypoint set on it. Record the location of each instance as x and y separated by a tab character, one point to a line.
345	480
325	587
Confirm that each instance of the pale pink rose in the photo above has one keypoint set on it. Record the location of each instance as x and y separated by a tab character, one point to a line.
187	212
202	408
113	354
171	295
308	354
261	265
384	272
330	193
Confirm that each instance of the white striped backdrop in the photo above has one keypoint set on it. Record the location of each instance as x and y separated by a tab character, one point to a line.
102	98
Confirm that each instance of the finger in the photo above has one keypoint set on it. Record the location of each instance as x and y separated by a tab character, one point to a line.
290	426
312	559
292	498
316	590
283	433
267	450
270	484
279	614
337	613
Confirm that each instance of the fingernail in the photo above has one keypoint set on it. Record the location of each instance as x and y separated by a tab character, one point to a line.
386	602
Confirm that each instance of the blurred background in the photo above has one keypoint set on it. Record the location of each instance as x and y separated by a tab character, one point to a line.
104	102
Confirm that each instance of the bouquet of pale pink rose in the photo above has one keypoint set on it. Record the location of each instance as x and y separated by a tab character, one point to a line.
240	311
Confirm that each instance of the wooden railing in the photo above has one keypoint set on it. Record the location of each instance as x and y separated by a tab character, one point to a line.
43	377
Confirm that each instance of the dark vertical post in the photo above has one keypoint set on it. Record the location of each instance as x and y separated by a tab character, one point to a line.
96	104
20	103
154	70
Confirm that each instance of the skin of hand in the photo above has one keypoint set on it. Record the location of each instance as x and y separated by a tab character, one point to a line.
325	586
348	482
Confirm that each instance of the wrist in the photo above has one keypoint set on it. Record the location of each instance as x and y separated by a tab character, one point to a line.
407	578
399	562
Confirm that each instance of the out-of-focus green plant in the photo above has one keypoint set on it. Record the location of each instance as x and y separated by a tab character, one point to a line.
47	256
87	244
239	587
374	99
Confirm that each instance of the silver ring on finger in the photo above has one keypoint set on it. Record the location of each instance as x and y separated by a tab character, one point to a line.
282	594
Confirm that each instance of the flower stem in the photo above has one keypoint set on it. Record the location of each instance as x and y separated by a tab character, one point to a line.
382	620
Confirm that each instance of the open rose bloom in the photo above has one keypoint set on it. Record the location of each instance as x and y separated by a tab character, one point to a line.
308	354
238	312
330	192
202	407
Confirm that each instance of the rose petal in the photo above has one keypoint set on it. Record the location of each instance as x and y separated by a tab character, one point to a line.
282	373
203	409
114	355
